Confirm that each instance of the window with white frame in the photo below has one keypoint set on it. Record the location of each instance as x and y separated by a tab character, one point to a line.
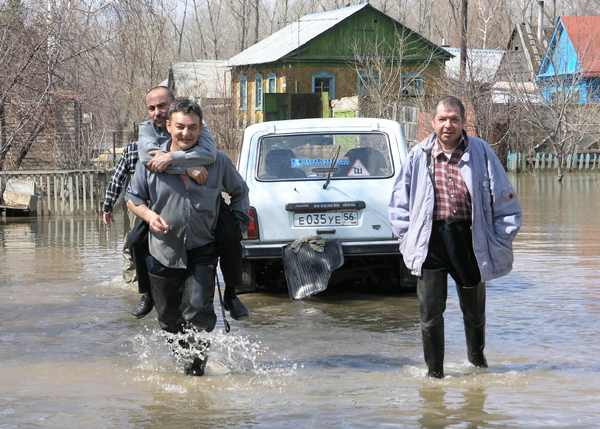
412	84
258	91
272	82
244	92
367	82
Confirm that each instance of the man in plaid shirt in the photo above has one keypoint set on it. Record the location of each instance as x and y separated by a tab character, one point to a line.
123	170
455	212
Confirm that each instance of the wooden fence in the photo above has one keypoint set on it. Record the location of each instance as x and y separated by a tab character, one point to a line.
64	192
588	161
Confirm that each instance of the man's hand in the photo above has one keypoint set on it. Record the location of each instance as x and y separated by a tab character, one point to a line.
199	174
160	162
157	223
108	218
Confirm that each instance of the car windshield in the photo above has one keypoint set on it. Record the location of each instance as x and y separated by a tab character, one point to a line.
309	156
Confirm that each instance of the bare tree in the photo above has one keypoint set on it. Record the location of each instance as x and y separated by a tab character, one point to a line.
391	73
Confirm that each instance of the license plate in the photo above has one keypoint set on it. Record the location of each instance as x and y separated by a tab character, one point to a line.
326	219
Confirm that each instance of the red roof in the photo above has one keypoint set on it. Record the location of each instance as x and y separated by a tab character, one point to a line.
584	32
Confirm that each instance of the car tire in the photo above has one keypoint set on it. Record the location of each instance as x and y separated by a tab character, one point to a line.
248	278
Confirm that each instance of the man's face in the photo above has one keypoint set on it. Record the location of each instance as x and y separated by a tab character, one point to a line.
158	103
448	125
184	129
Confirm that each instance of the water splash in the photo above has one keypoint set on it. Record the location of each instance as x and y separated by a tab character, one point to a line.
232	353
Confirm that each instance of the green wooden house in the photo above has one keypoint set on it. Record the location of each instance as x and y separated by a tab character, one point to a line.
343	53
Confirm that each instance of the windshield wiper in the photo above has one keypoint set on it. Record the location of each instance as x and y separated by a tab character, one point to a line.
333	161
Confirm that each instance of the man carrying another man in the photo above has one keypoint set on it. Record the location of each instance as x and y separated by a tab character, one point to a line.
182	217
152	135
455	213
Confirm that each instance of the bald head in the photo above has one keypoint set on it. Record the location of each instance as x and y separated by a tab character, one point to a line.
158	102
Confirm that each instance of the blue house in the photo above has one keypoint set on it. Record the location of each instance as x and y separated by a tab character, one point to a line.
571	67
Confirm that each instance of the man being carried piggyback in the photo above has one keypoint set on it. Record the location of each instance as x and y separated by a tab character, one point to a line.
182	217
455	212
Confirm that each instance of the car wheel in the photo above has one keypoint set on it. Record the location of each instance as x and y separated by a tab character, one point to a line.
248	278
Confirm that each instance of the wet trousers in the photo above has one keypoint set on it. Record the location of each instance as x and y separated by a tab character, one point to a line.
227	238
183	298
129	220
451	252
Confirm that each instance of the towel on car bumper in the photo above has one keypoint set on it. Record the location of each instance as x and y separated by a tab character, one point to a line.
307	268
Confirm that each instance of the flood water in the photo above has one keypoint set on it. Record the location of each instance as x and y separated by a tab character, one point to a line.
72	356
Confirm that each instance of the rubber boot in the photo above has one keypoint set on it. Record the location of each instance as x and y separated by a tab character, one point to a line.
199	355
166	294
197	299
475	346
433	349
472	304
432	289
195	357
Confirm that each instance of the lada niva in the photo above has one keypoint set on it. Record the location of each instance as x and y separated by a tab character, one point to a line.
326	177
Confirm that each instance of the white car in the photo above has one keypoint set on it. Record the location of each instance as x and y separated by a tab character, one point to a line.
296	192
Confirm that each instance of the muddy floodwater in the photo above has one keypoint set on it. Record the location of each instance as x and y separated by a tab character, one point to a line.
72	356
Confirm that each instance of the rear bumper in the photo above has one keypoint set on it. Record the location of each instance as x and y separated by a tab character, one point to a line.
351	248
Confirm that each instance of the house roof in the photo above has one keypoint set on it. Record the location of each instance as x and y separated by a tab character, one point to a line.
198	79
294	37
290	38
482	64
584	34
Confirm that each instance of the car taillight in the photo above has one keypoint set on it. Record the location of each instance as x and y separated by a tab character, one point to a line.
252	231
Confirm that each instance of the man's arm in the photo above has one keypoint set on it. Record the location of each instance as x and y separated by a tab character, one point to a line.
506	209
155	221
150	141
115	186
137	198
399	206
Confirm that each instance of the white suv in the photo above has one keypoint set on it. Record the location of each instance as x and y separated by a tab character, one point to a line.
296	192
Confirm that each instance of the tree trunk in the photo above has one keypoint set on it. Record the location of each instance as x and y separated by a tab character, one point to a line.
463	39
30	140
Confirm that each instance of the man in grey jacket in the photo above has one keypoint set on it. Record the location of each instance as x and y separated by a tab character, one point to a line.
455	212
182	217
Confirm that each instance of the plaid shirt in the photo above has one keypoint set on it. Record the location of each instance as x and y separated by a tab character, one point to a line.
452	198
123	169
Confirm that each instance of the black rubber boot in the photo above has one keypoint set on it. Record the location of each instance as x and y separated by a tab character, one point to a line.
433	349
472	304
197	299
143	307
166	294
432	289
199	349
195	357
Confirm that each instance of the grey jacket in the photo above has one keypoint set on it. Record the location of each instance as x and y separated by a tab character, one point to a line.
190	213
496	208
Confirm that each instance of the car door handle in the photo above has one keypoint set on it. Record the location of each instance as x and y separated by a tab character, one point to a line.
325	231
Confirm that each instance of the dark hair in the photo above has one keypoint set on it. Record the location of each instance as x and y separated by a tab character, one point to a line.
450	102
166	88
185	106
